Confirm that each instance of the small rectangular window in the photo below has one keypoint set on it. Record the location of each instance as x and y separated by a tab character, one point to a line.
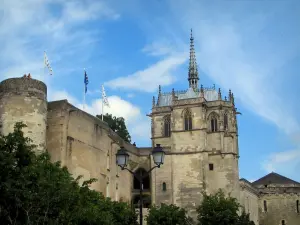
297	206
164	186
265	206
211	166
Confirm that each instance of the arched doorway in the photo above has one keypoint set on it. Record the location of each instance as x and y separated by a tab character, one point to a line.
146	189
146	180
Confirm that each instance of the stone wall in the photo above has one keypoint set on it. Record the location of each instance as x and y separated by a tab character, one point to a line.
186	172
87	146
279	208
249	200
24	100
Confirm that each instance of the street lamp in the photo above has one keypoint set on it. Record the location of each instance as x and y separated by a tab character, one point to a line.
122	158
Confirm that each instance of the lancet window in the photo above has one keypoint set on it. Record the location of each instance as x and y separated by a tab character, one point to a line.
214	122
167	126
188	122
225	121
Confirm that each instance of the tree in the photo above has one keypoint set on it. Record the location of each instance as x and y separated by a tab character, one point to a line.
117	124
167	215
33	190
220	210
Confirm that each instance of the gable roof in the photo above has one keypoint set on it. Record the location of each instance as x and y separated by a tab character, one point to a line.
274	178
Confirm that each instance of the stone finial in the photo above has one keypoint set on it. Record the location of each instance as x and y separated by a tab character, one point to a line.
232	98
201	91
219	94
173	94
159	89
153	101
225	98
29	76
229	95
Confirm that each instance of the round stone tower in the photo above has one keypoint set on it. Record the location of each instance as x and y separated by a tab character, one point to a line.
24	100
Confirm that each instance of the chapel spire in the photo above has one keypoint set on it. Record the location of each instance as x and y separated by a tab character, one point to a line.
193	70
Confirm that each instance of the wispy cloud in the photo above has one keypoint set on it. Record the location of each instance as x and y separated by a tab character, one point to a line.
287	162
31	26
147	80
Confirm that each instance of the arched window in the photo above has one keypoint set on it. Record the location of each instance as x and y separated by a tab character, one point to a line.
297	206
167	126
188	125
282	222
164	186
225	121
214	122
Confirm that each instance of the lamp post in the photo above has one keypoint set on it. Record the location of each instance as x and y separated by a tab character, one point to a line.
122	158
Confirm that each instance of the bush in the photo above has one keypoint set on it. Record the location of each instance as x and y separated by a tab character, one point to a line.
220	210
167	215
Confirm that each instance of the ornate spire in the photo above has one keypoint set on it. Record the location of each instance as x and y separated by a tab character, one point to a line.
193	70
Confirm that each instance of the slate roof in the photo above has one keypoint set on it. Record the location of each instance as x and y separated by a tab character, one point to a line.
274	178
166	98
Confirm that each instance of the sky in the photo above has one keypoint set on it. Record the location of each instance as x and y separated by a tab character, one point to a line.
251	47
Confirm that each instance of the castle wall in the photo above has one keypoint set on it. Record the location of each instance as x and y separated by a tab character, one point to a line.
280	206
24	100
86	146
249	200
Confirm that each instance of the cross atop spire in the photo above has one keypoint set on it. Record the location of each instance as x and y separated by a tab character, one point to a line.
193	70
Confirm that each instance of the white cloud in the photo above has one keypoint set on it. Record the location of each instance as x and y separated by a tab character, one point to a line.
235	56
147	80
29	27
137	123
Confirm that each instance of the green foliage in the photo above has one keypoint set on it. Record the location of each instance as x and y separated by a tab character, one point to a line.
244	219
218	209
117	124
167	215
35	191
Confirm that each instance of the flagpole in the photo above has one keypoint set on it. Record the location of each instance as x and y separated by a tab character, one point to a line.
102	104
44	65
84	87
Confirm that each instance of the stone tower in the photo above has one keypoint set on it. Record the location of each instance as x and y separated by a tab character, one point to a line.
24	100
198	130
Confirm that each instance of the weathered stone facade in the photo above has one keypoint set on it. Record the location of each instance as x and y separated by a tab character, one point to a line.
197	128
24	99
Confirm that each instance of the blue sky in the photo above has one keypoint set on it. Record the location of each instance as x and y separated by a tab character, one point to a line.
132	46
